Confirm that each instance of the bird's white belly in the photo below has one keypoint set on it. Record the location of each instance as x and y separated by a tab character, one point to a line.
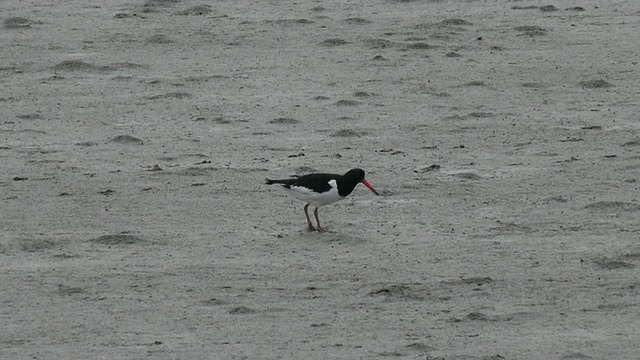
314	198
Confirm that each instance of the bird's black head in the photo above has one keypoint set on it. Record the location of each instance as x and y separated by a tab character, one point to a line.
356	174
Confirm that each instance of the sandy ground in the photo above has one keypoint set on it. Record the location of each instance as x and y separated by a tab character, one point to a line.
503	136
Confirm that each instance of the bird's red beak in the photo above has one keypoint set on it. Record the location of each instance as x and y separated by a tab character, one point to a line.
366	183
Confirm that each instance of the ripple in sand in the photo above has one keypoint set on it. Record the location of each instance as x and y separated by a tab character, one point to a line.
305	170
531	31
160	2
356	21
419	46
196	10
117	239
472	316
213	302
127	15
347	103
468	176
35	245
595	84
533	85
421	169
378	43
397	292
241	310
159	39
576	355
126	65
454	22
215	120
548	8
612	264
176	95
479	115
632	143
333	42
470	281
17	23
284	121
69	290
34	116
152	5
475	83
347	133
363	94
193	171
528	7
127	139
290	21
612	206
420	347
77	65
473	115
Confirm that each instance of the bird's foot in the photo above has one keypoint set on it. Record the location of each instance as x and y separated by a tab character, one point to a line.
312	228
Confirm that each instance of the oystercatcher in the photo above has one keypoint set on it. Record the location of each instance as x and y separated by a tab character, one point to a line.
321	189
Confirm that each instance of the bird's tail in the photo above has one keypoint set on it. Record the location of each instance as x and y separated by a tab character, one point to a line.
284	182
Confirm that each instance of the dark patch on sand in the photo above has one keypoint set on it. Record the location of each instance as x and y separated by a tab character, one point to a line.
468	176
35	245
284	121
77	65
356	21
379	43
454	22
117	239
548	8
196	10
33	116
596	84
17	23
127	139
159	39
632	143
333	42
347	133
175	95
395	292
530	30
612	206
347	103
241	310
605	263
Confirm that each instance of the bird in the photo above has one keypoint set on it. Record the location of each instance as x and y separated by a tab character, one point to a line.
319	189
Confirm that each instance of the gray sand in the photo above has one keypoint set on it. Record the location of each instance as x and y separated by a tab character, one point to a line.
502	135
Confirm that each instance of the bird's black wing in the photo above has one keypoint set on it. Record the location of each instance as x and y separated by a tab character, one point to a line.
316	182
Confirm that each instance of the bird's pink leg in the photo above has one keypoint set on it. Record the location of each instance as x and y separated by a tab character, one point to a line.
309	225
315	212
